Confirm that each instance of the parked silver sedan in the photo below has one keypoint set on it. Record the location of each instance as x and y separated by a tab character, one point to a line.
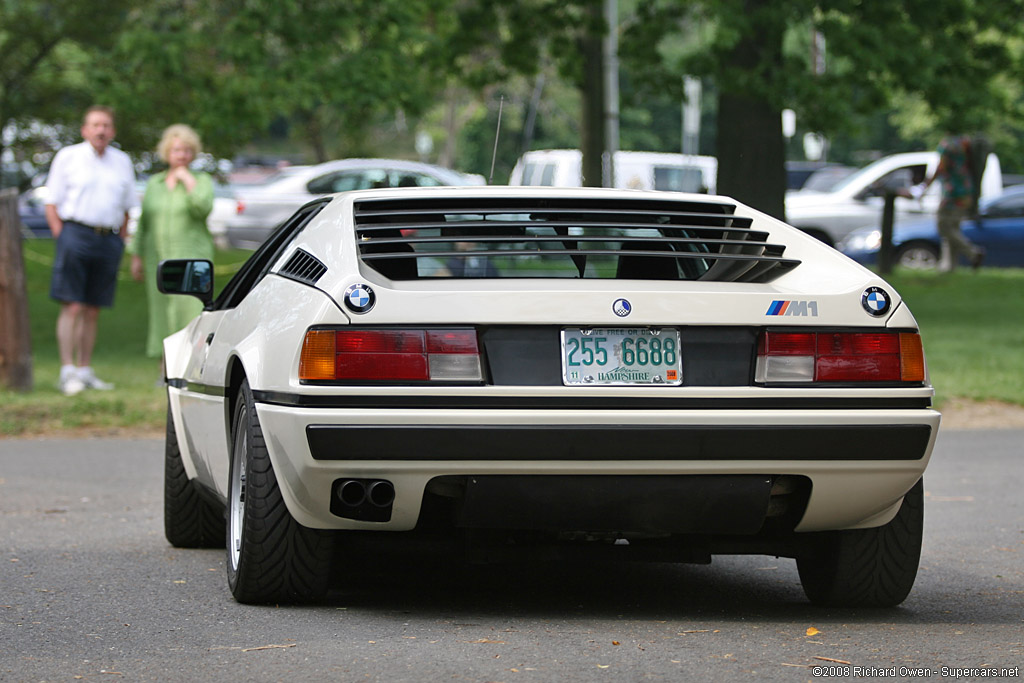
262	207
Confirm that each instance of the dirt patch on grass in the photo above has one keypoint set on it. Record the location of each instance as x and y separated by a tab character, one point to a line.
956	414
141	432
962	414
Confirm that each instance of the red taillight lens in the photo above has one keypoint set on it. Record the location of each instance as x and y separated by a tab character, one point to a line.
390	355
840	357
789	343
239	207
379	341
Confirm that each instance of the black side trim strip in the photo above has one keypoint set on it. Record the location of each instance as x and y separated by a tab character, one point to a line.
568	403
197	387
622	442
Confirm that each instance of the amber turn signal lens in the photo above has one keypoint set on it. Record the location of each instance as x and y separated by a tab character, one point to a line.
318	355
911	357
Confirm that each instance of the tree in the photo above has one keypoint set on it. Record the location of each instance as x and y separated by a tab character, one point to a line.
231	68
765	55
509	43
46	52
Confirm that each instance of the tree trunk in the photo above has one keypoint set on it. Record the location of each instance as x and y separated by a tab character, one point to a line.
15	339
592	96
451	103
750	147
315	134
751	153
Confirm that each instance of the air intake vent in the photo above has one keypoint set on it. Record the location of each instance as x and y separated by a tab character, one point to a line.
519	237
303	267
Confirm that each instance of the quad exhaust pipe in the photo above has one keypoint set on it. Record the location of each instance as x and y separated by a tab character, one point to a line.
368	500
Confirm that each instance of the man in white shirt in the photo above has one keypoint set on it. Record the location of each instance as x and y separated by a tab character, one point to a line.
92	187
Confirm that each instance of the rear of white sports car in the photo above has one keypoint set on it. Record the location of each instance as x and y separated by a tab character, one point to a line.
637	372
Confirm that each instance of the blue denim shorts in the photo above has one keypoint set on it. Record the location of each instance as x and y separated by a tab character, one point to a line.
85	266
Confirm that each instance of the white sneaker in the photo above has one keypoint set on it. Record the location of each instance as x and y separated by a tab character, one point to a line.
71	385
89	380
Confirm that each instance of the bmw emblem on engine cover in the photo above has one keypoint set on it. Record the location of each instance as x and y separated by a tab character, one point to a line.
622	308
876	301
359	298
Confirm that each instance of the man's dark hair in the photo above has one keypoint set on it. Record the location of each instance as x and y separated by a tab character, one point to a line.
109	111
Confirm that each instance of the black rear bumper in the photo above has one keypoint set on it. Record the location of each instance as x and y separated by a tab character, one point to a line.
583	442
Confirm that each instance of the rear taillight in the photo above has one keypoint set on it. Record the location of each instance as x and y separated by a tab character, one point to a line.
840	357
406	355
239	207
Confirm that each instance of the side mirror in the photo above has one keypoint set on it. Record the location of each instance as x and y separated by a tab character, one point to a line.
186	276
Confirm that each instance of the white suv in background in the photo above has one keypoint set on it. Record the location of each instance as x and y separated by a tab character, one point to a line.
857	201
632	170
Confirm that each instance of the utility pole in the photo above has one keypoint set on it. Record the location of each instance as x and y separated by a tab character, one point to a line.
691	115
611	92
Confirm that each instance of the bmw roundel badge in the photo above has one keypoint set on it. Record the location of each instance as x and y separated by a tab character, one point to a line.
359	298
622	308
876	301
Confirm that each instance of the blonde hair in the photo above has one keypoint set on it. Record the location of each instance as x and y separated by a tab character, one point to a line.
181	132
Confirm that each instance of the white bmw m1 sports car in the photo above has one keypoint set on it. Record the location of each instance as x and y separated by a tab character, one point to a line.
648	373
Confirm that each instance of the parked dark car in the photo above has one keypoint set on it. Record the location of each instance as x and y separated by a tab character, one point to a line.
916	244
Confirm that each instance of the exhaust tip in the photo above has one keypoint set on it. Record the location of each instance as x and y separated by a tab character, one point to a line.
381	493
352	492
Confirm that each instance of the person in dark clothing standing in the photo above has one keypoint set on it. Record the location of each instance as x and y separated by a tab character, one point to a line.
959	195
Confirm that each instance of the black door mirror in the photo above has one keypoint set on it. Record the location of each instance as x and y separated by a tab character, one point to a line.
186	276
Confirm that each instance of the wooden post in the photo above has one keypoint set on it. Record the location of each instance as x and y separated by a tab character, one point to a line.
888	216
15	337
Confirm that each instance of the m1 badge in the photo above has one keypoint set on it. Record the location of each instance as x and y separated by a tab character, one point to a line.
876	301
359	298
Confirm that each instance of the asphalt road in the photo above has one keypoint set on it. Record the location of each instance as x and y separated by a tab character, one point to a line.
90	590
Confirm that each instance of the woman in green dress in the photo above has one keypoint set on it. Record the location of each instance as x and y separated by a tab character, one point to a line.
172	225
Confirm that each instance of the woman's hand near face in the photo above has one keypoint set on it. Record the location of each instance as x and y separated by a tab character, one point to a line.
179	156
180	174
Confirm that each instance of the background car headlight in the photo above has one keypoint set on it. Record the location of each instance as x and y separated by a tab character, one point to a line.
864	241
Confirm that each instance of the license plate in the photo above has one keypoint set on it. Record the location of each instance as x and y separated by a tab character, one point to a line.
621	355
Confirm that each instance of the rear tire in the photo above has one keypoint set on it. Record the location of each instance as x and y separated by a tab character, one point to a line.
271	557
867	567
190	521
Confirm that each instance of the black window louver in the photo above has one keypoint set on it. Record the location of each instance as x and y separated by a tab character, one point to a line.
303	267
564	237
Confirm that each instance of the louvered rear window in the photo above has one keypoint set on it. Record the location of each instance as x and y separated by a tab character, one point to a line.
519	237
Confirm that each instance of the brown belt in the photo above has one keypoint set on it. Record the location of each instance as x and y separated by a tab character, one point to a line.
98	229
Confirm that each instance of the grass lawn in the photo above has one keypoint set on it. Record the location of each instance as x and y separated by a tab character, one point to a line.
973	330
972	323
136	403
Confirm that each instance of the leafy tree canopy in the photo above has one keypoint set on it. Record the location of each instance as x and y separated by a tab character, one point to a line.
830	60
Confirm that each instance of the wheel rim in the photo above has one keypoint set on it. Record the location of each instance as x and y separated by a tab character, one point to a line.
918	258
237	513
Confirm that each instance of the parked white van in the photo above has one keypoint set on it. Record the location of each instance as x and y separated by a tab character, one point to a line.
632	170
856	201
